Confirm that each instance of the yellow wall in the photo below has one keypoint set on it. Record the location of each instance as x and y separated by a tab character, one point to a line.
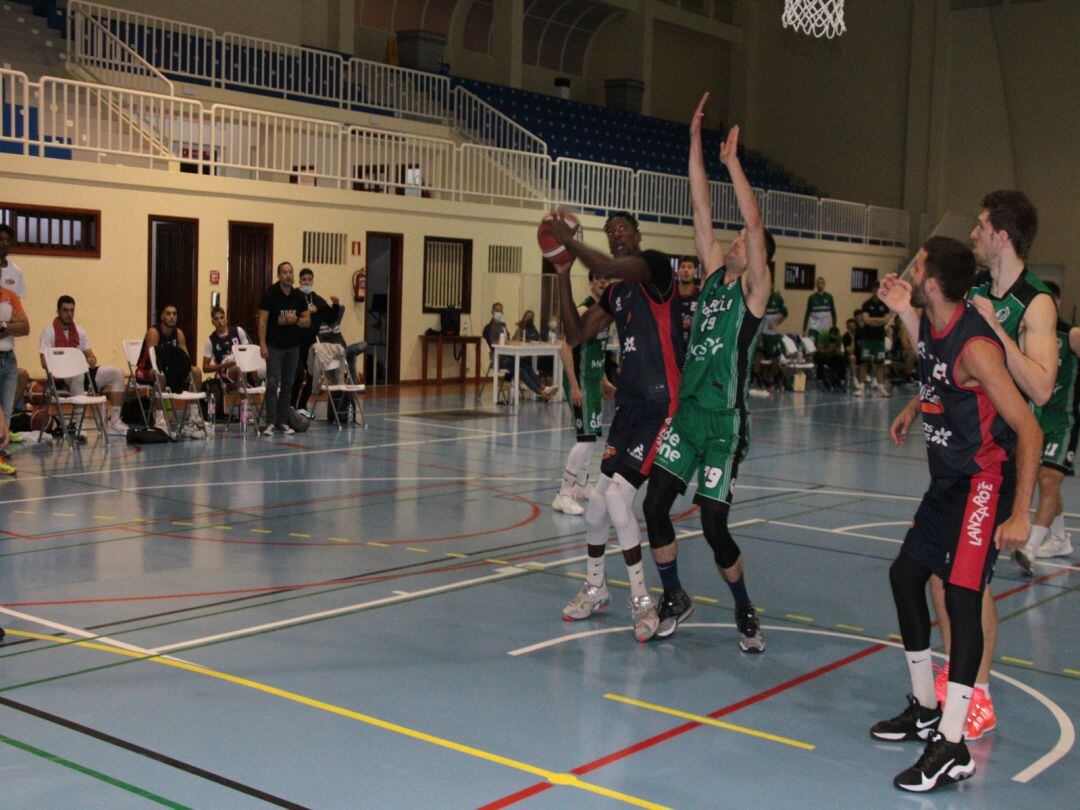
112	292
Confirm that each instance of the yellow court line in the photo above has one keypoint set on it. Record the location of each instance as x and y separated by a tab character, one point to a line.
340	539
1022	661
554	777
1068	671
104	517
416	549
21	512
454	554
798	618
182	523
851	627
261	531
497	562
707	599
709	721
377	545
221	526
298	534
64	514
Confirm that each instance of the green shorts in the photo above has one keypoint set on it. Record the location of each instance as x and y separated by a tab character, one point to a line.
771	345
587	417
709	443
872	351
1059	441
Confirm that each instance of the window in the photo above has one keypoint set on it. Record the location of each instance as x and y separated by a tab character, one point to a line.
863	279
447	274
799	276
48	231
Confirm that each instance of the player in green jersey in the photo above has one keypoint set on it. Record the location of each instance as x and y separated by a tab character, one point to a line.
707	436
820	314
1060	426
583	378
771	345
1022	314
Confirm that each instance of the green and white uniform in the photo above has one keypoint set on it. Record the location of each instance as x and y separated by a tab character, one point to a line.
820	316
710	429
1058	417
771	339
1010	308
589	370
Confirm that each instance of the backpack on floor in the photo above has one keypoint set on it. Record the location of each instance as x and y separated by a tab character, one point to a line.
151	435
297	421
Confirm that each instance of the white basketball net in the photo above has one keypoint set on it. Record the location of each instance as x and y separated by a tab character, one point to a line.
819	18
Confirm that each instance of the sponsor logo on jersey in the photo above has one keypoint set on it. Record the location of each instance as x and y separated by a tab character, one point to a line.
978	516
629	346
1003	314
638	452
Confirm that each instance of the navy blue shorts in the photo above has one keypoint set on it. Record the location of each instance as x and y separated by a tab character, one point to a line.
634	437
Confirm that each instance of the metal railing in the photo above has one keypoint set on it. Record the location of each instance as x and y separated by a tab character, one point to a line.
107	58
397	90
86	117
179	48
477	121
163	130
595	186
841	219
290	71
301	149
15	109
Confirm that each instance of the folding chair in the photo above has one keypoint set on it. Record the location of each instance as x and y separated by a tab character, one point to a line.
349	386
249	360
132	349
63	364
175	398
504	385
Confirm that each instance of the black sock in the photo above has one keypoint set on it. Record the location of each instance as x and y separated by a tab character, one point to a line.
738	591
669	575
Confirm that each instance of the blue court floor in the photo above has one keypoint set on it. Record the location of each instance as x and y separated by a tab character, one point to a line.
371	619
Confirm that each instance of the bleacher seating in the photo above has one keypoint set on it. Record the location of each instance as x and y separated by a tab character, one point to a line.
577	130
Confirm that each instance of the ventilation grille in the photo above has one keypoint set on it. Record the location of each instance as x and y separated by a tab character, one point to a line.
444	266
504	259
324	248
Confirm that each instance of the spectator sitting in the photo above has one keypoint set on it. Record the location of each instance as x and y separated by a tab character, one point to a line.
494	332
218	348
831	360
175	371
65	333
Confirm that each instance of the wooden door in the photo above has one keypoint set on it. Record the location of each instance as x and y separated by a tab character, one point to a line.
251	250
174	273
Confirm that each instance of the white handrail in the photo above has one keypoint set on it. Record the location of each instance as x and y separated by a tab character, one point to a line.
393	162
476	120
793	214
398	90
889	226
15	108
288	70
663	195
841	219
584	184
96	48
506	174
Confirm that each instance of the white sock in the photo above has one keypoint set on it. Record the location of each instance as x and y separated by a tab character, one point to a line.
921	668
957	703
636	574
576	461
114	413
1037	535
1057	527
594	570
985	687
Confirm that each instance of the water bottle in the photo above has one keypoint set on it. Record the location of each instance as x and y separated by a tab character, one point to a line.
211	409
243	413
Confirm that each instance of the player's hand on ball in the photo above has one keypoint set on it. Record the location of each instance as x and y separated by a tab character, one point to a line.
1013	533
560	229
563	269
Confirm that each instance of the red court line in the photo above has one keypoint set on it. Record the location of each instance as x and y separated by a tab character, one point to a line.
677	731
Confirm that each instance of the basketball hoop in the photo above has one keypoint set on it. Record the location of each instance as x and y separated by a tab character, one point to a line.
819	18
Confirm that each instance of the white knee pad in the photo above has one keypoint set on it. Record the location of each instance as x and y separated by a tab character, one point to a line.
620	505
596	514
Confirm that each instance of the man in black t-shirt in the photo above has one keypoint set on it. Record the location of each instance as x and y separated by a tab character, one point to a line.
283	314
876	317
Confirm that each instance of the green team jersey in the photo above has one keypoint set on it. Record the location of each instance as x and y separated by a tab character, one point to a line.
722	338
589	356
1013	304
1063	399
776	306
820	312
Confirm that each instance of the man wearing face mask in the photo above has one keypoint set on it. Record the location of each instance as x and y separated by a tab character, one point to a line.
496	332
321	314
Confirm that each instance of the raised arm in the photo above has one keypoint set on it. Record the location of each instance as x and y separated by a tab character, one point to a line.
708	251
757	281
578	328
895	293
981	364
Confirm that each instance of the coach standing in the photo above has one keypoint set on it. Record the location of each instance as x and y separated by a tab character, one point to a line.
283	314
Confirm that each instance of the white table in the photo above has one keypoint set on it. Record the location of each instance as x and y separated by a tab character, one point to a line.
517	351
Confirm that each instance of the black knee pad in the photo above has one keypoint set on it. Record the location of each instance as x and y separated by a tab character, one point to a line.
661	493
964	607
714	523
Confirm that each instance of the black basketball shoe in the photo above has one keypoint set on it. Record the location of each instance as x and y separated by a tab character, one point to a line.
916	722
750	639
675	607
942	763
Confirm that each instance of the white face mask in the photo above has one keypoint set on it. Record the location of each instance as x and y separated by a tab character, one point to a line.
496	316
308	290
553	325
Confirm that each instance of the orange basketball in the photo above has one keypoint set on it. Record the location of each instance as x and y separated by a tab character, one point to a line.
35	394
39	419
552	250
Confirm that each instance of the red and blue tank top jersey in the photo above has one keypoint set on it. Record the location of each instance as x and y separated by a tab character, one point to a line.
648	322
965	435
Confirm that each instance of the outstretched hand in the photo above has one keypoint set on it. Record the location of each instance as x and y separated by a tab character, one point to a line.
729	149
558	228
699	115
895	293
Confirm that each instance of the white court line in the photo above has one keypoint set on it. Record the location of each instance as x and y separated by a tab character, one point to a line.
75	631
412	420
1066	731
350	448
873	525
843	492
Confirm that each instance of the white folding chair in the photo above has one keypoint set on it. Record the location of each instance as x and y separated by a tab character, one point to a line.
63	364
132	350
349	387
250	361
181	399
504	385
